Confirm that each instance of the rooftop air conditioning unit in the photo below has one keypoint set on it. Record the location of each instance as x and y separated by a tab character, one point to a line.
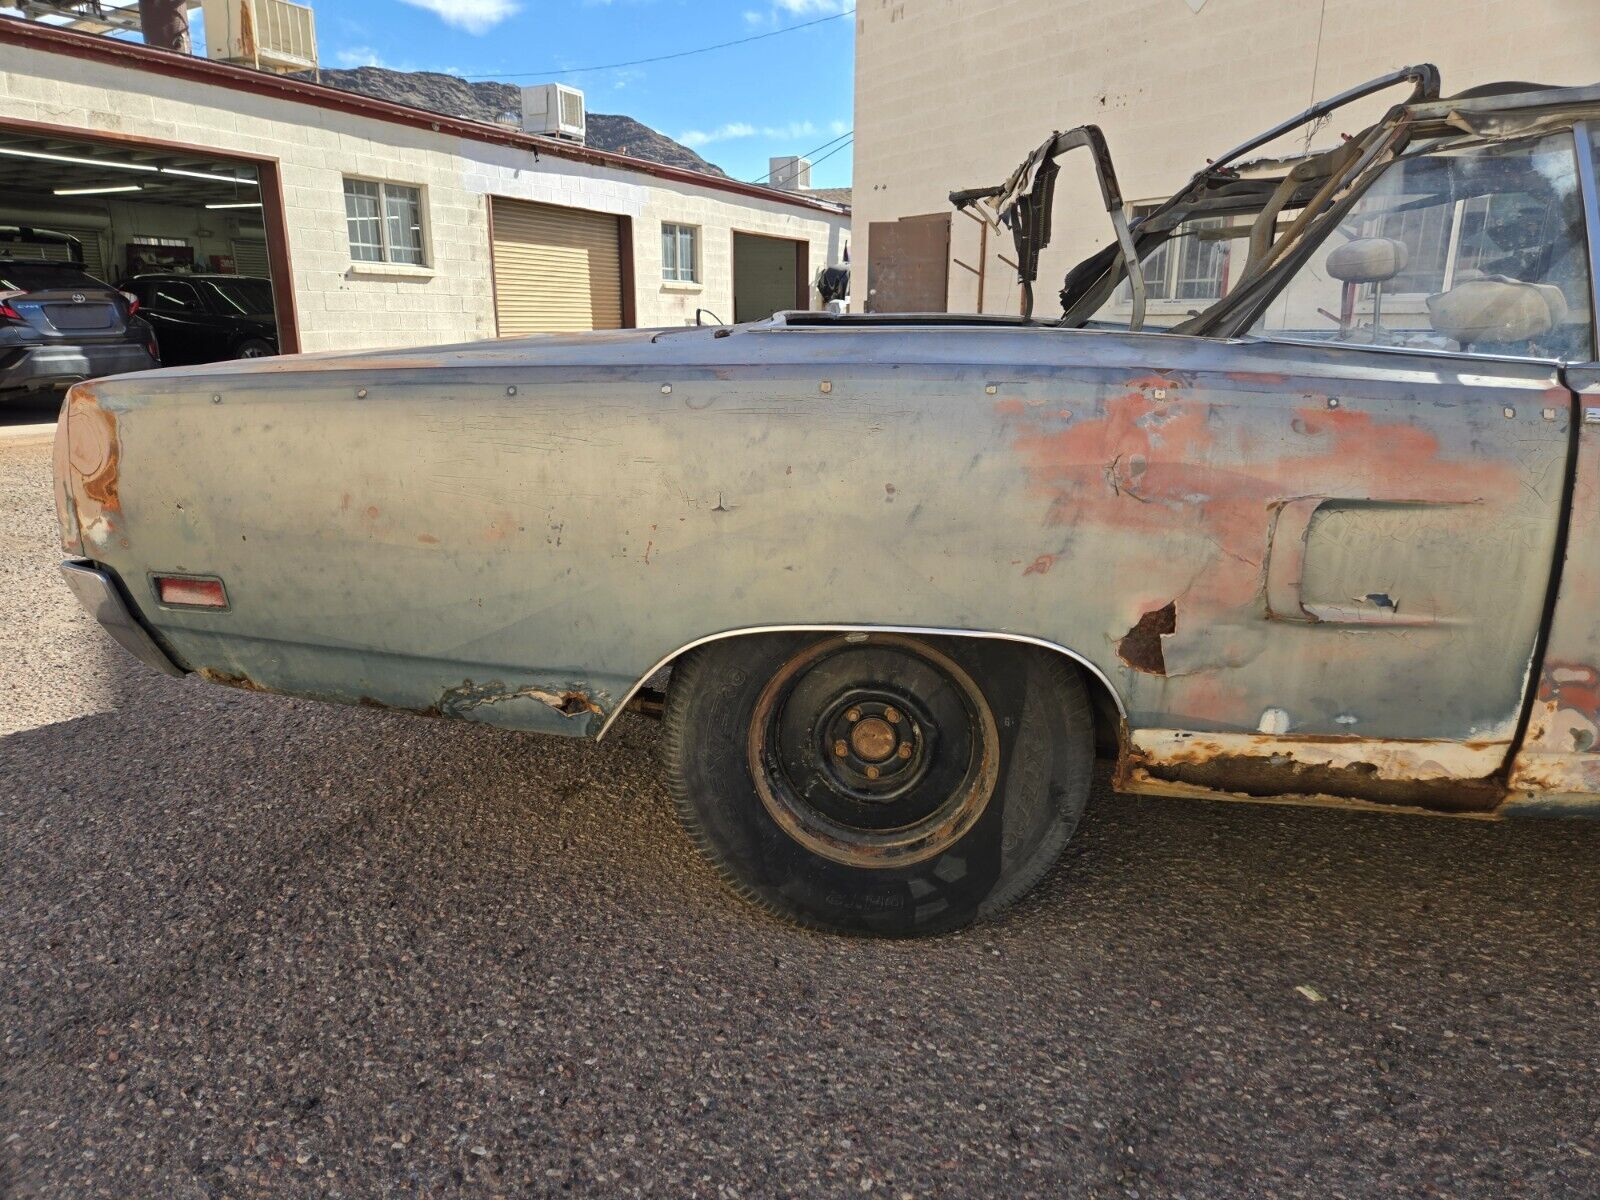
270	35
553	110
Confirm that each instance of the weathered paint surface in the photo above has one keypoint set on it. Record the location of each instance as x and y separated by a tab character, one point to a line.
520	535
1558	762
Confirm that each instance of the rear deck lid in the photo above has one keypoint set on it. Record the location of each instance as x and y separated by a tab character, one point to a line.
60	300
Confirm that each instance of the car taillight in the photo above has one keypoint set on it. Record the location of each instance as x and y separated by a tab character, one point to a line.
7	313
133	302
186	591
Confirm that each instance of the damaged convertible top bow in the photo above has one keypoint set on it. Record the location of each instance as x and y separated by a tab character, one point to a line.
1024	202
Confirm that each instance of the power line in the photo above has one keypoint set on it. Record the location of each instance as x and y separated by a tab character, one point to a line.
831	153
807	154
639	62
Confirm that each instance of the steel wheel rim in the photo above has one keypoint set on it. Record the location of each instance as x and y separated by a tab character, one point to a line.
921	802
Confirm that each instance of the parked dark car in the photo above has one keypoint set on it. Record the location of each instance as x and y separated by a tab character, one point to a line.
208	318
59	325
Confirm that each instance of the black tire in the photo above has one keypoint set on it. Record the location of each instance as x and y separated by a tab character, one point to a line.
771	739
255	348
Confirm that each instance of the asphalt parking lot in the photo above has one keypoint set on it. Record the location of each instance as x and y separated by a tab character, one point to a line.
256	947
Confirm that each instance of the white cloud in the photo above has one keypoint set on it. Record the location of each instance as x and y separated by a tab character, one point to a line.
814	8
743	129
475	16
723	133
362	56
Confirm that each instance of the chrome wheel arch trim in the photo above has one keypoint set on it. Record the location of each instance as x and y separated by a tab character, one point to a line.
912	630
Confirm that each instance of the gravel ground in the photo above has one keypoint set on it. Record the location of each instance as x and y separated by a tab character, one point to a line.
255	947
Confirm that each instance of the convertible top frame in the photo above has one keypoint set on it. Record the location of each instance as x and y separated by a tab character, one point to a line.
1023	203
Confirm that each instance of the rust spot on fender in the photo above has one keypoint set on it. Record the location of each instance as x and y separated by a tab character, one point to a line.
87	461
1041	565
1141	647
229	679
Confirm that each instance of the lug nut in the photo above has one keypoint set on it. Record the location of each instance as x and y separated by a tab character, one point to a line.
840	749
853	715
892	715
905	750
872	772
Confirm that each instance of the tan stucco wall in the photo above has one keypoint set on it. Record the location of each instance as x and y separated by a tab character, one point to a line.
346	306
953	93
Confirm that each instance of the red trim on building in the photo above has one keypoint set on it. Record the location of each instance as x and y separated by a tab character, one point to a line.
138	57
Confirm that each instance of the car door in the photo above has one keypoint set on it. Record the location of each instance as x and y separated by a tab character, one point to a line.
1377	476
177	313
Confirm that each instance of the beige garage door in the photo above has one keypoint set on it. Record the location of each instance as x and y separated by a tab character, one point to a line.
555	269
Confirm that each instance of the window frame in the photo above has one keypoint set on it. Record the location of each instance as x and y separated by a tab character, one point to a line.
424	249
1238	319
679	228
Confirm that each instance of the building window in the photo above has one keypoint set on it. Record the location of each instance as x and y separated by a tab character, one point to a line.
1191	265
385	221
680	253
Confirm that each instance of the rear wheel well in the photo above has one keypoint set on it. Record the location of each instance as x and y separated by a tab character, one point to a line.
1108	718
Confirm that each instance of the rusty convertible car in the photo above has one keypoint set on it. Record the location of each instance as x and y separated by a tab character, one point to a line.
1299	499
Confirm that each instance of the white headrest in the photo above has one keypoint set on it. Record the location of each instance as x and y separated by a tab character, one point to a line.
1496	309
1368	260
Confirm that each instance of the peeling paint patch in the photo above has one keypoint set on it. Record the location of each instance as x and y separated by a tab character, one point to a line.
569	702
1141	646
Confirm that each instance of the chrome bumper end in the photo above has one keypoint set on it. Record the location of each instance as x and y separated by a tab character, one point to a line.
97	592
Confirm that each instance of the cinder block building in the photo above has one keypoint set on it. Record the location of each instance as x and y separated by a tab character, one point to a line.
377	224
952	94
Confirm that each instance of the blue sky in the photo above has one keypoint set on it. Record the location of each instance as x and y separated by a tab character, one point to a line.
736	106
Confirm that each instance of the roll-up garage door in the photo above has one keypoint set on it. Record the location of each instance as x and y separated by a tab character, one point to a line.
94	258
250	257
555	269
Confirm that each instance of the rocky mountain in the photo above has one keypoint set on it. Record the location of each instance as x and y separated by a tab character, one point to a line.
475	101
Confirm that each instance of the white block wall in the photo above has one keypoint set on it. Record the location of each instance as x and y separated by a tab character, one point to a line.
342	305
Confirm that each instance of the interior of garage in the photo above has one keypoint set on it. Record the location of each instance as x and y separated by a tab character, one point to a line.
127	209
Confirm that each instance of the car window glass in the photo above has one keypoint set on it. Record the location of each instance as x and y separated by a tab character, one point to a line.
241	297
174	297
36	277
1478	249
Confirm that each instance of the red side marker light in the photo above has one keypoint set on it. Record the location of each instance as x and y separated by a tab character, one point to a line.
184	591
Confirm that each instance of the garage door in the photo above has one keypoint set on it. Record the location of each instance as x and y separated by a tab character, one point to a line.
555	269
94	258
763	276
250	257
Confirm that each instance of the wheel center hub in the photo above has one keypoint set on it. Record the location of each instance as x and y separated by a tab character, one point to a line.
873	739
